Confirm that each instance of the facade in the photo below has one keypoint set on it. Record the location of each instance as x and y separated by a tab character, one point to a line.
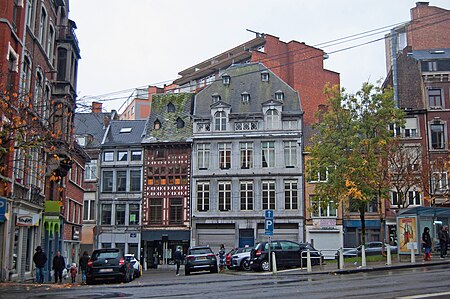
120	195
89	131
167	172
40	72
297	64
418	61
246	158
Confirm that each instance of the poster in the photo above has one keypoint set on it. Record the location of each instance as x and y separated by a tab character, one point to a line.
407	233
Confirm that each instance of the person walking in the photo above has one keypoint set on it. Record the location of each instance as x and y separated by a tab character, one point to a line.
443	240
73	272
222	257
426	241
39	259
178	256
58	266
82	263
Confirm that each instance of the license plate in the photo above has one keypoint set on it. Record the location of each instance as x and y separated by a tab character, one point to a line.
201	258
106	270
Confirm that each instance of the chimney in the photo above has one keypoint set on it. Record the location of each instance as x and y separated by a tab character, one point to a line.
422	4
97	107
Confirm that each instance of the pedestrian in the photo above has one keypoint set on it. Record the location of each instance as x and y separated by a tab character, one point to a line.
39	259
178	256
222	257
426	241
73	272
82	263
58	266
443	240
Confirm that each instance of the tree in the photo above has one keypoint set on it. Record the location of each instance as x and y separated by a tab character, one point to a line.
352	142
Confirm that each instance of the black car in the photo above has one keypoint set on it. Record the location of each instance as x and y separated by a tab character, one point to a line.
200	258
371	248
108	264
287	254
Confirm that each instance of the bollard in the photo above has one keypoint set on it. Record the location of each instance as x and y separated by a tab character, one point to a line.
413	254
341	258
274	264
363	256
388	255
308	261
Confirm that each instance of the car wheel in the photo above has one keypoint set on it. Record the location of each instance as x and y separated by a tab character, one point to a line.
264	265
215	270
245	264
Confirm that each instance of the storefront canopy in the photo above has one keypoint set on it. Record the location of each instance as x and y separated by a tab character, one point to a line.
427	211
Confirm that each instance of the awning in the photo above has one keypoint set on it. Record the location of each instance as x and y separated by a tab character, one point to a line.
357	223
171	235
427	211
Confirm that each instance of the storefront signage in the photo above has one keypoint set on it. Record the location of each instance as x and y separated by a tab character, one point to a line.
325	224
2	209
29	219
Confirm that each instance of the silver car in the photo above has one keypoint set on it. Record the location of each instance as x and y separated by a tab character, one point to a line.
240	260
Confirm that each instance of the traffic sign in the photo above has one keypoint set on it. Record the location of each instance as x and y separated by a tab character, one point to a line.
268	222
268	214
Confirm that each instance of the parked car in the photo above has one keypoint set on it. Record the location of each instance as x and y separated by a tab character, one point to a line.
200	258
371	248
287	254
241	259
135	264
228	258
108	264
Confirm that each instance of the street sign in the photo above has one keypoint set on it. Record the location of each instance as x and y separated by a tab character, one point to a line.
268	222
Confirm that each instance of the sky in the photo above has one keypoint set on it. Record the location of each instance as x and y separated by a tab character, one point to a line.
129	44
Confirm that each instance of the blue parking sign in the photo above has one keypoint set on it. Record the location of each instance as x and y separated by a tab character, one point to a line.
2	208
268	222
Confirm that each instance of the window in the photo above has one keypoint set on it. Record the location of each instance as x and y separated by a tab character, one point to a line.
203	196
322	208
224	155
289	124
155	211
89	209
246	149
410	129
226	80
414	198
437	136
30	13
224	196
107	181
203	151
50	38
246	195
106	214
220	119
435	98
42	26
246	126
290	195
159	154
318	175
215	97
279	95
180	123
136	155
122	156
121	181
245	97
268	195
170	107
439	182
176	211
125	130
108	156
135	180
265	76
290	153
120	214
157	125
268	153
134	214
272	119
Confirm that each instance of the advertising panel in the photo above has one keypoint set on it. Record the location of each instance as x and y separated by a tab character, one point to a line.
407	234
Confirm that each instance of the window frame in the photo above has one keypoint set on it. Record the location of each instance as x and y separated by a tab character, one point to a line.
220	121
203	198
224	196
268	194
246	155
224	153
203	155
246	195
268	154
291	195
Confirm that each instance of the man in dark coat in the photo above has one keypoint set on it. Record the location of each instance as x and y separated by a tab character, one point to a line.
58	266
39	259
443	240
177	257
83	262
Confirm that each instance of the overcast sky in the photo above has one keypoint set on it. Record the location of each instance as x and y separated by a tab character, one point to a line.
128	44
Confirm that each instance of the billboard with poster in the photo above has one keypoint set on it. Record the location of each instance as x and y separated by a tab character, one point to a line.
407	234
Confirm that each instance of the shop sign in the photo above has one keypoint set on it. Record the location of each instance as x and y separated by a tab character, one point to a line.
325	224
2	209
30	219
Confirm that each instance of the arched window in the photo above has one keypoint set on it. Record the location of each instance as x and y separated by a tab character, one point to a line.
180	123
220	121
157	125
272	119
170	107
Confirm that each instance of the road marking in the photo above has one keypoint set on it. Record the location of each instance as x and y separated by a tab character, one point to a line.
424	295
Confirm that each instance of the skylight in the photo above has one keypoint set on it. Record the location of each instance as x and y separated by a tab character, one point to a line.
125	130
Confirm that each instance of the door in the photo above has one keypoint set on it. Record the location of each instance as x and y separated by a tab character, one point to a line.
246	238
291	253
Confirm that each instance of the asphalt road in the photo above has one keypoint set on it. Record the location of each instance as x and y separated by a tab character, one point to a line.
432	281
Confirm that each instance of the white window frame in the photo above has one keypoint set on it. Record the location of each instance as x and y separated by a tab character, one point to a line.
269	197
268	154
291	195
272	119
246	195
203	201
220	121
224	196
246	155
290	153
203	155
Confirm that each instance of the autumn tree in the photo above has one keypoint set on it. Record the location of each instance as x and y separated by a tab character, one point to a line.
352	142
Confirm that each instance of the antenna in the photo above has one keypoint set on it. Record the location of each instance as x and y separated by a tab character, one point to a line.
258	34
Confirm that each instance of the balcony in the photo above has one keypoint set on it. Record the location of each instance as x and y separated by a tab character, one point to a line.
67	34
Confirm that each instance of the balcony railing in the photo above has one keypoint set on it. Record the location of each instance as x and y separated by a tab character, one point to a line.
67	33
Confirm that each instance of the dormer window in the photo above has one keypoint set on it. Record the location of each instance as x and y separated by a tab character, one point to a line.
265	76
245	96
170	107
220	119
226	80
180	123
279	95
215	97
157	125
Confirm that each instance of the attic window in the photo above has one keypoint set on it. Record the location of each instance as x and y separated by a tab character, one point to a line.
125	130
226	80
245	96
215	97
170	107
265	76
157	125
279	95
180	123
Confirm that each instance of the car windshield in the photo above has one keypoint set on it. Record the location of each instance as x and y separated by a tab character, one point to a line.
196	251
105	255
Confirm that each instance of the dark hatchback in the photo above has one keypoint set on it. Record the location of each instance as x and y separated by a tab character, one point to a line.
108	264
287	254
200	258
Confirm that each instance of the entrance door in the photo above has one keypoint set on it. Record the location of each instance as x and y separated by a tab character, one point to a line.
246	238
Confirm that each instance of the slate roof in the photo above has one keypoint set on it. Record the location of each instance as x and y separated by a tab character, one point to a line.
169	132
247	78
91	124
430	54
132	133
